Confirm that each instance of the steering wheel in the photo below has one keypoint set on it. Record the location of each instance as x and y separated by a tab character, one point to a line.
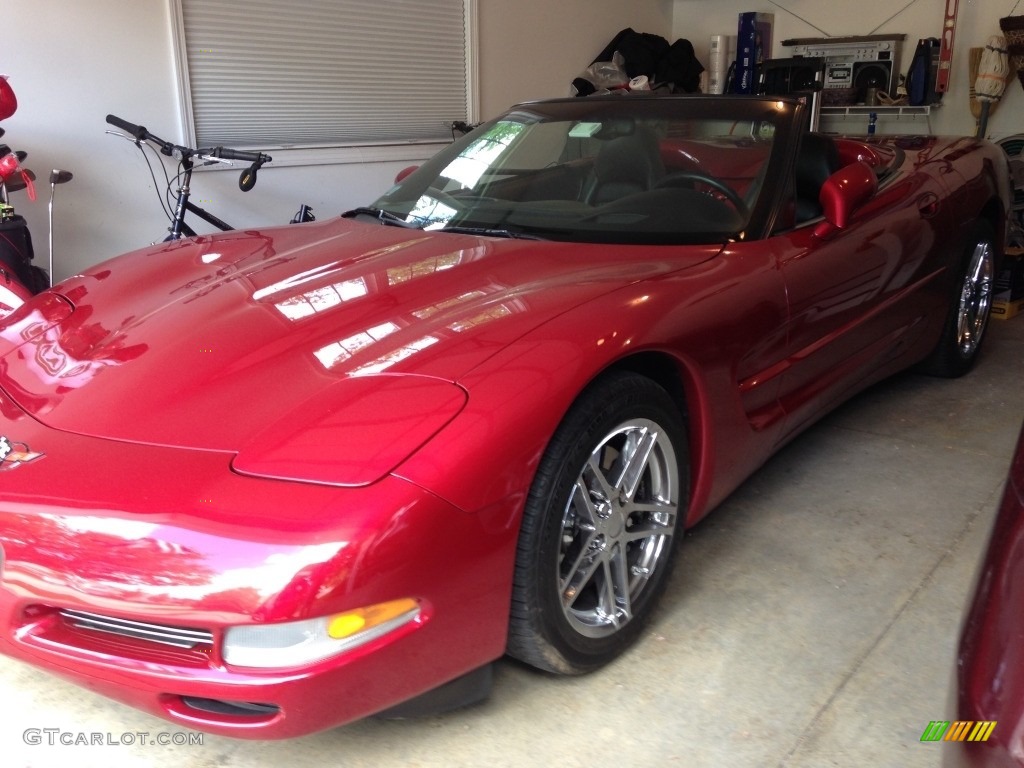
459	201
687	178
445	198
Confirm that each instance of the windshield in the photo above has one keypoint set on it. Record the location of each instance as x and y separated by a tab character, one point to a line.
623	170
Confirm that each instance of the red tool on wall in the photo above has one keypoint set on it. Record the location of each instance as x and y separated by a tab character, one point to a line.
946	48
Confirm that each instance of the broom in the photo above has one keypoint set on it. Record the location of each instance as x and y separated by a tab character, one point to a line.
992	73
973	64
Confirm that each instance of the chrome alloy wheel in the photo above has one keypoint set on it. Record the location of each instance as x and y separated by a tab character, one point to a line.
617	526
975	299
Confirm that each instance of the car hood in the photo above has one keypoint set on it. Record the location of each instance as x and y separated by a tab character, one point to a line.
213	341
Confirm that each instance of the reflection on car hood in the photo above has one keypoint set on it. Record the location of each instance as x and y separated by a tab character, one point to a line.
205	342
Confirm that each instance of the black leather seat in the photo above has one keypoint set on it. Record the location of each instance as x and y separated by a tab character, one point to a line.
625	166
817	159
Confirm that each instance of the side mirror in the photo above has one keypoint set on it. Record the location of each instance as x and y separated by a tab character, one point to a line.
843	193
402	174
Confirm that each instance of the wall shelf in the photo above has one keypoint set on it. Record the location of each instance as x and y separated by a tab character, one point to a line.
861	111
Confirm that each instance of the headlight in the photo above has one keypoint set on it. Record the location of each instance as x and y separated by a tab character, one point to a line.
296	643
354	431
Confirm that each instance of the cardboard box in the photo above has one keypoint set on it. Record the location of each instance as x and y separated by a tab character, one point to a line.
753	46
1010	280
1004	310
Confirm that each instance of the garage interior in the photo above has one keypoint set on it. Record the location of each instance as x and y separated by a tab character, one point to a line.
812	618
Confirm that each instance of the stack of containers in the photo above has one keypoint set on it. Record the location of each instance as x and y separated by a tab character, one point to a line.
719	60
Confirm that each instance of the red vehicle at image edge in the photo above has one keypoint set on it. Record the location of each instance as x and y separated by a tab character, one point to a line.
989	681
265	483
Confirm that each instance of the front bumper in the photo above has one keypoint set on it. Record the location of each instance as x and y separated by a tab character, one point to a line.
173	537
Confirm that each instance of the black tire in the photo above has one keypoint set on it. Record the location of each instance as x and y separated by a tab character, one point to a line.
591	565
970	307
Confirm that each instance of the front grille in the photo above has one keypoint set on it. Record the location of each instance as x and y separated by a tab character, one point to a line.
179	637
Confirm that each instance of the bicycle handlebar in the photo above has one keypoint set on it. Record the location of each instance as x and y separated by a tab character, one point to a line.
138	131
237	154
245	182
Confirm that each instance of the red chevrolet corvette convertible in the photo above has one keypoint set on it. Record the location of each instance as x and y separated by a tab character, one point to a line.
266	483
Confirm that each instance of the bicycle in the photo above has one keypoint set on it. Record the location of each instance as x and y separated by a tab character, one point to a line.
186	163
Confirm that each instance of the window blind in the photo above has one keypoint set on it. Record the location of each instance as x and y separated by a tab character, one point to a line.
325	72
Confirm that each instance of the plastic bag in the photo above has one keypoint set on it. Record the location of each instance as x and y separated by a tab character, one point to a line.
600	76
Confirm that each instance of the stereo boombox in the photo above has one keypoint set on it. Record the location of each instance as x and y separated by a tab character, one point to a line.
845	66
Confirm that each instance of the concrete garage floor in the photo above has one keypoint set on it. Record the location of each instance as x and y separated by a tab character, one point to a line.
812	620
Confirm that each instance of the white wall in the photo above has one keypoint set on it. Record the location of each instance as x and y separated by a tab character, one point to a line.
697	20
532	49
71	63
